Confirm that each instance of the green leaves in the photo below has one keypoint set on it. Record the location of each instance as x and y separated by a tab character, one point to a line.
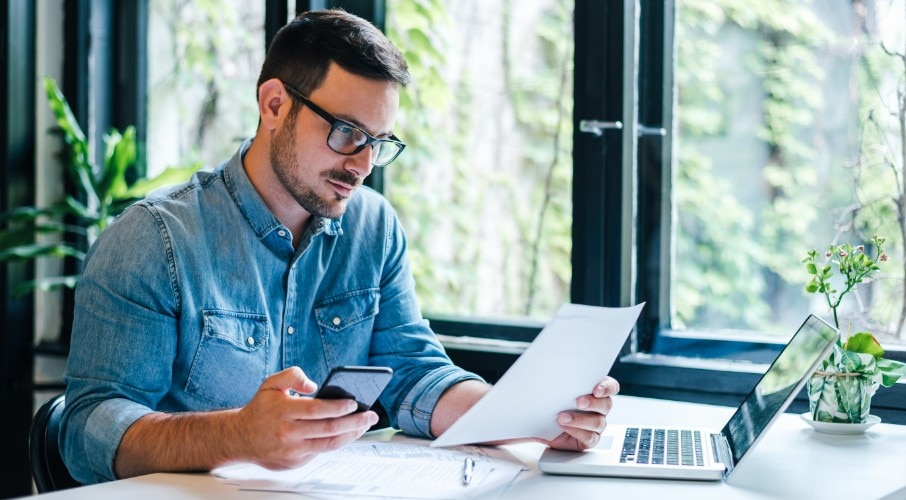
854	267
891	371
170	176
101	192
864	342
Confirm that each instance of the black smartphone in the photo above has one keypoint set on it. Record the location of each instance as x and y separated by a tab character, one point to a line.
362	383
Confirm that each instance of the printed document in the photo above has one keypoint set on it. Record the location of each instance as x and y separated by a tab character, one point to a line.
569	357
387	469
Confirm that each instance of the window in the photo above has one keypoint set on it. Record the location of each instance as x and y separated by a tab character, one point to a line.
786	140
203	63
752	137
484	186
745	128
780	115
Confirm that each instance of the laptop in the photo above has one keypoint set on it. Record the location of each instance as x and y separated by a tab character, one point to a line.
696	453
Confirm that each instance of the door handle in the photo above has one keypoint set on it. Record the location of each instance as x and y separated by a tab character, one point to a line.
598	127
644	130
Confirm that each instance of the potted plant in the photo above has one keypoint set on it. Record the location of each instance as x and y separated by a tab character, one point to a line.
841	389
102	192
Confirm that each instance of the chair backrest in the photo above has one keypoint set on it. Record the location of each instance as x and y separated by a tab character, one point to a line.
48	469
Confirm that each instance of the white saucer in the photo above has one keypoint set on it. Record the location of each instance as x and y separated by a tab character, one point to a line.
840	428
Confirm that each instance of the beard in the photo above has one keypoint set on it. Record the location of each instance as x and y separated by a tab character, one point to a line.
288	172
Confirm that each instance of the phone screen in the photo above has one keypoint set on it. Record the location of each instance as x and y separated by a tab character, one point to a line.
362	383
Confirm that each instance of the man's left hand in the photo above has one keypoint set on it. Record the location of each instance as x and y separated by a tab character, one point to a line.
583	426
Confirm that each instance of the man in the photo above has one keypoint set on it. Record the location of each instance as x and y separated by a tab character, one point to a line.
203	312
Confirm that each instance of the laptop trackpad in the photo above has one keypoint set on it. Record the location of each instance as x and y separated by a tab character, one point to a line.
605	443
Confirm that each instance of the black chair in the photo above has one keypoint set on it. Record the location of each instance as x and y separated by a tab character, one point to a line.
47	467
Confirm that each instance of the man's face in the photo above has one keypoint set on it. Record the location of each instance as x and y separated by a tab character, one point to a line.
318	178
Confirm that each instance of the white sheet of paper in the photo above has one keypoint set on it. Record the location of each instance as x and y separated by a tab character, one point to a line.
381	469
567	359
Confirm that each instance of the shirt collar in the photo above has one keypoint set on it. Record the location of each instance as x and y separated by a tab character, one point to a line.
262	220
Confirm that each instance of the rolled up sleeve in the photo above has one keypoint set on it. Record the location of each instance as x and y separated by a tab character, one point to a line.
123	345
415	412
102	428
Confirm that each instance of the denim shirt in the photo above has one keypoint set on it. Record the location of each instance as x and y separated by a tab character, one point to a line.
190	299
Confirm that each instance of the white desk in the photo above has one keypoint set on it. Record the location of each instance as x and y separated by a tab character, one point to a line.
792	461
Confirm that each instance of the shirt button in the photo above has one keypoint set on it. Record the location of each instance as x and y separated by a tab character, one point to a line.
290	330
250	341
282	233
336	321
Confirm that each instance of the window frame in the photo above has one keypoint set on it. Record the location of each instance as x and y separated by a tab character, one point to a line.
17	177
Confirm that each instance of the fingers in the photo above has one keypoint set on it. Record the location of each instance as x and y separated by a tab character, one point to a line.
331	442
292	382
582	421
292	378
279	430
599	401
330	427
575	440
582	428
291	455
589	403
608	387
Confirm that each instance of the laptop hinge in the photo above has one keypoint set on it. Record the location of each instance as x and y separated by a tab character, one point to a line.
722	452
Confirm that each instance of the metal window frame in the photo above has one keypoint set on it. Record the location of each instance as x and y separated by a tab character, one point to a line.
17	176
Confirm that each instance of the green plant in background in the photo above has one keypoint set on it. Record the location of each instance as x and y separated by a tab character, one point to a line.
842	388
529	169
419	28
829	109
877	177
101	193
202	78
729	271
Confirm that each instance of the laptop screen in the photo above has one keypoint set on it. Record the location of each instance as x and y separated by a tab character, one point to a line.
779	385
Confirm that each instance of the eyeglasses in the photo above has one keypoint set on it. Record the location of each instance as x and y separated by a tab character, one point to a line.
347	139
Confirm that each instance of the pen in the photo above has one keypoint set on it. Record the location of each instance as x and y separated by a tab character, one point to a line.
468	465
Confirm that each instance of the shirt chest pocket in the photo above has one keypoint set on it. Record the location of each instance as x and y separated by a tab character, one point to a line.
346	322
232	358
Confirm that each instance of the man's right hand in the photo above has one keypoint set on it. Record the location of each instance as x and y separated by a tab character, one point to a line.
280	430
277	429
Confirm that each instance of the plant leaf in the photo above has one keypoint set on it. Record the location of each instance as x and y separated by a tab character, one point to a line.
118	158
46	284
865	343
40	250
170	176
79	167
891	371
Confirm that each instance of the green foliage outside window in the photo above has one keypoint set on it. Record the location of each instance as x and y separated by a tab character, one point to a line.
533	233
815	70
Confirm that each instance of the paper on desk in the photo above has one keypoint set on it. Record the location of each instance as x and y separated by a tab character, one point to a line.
569	357
381	469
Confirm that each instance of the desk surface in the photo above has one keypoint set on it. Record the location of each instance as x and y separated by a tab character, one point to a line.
792	461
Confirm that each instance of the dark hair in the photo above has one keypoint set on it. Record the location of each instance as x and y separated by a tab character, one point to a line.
302	51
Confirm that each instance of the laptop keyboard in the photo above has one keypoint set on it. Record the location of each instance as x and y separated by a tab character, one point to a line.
662	447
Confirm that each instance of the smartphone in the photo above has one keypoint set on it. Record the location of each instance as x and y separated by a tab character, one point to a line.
362	383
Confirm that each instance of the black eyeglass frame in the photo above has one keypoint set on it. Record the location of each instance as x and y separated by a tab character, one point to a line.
336	122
